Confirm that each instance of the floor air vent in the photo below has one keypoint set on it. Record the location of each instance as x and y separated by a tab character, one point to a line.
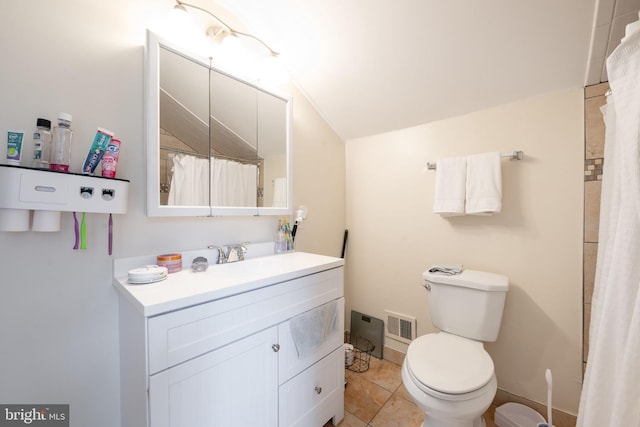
400	327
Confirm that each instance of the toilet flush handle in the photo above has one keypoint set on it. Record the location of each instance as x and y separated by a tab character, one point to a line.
318	389
427	285
276	347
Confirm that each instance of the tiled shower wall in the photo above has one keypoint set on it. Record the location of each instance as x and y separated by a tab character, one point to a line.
593	163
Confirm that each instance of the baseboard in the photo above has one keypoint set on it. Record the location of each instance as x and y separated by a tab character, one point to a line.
392	355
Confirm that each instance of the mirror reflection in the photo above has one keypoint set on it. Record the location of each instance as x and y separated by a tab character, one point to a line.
235	165
184	130
222	142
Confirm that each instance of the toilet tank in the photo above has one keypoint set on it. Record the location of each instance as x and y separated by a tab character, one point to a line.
468	304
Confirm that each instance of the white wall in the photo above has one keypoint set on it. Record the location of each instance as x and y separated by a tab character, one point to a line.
58	309
536	240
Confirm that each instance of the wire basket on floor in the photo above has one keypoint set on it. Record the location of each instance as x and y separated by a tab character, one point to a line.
357	359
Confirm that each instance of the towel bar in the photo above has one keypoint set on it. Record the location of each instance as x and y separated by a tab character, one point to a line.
512	155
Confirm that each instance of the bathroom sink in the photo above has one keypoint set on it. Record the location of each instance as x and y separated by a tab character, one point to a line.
255	267
187	288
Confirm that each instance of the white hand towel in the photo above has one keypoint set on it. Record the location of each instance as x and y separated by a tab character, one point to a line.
310	329
279	193
484	184
450	186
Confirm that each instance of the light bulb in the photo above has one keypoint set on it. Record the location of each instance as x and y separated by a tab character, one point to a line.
179	27
236	59
232	46
273	73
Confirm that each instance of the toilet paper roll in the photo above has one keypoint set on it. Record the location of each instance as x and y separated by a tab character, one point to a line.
14	220
46	221
348	354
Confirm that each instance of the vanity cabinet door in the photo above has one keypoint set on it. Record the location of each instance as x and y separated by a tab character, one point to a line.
315	395
233	386
290	363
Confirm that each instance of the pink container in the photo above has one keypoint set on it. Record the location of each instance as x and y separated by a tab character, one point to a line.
110	158
173	262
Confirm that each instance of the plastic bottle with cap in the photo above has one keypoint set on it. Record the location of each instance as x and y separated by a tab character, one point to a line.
61	144
279	240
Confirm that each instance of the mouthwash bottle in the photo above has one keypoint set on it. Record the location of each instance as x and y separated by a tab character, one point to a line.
42	144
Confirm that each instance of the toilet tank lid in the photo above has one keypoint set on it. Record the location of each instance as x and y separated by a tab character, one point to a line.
481	280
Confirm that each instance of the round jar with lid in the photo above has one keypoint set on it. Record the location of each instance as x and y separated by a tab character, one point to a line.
173	262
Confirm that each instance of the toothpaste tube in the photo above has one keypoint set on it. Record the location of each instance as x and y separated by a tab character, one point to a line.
98	147
15	140
110	159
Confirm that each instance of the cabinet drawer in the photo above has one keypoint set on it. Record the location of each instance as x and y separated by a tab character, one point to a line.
290	364
315	395
185	334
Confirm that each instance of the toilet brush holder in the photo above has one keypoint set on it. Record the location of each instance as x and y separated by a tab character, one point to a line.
512	414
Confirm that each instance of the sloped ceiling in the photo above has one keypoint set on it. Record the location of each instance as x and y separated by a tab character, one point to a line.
374	66
612	16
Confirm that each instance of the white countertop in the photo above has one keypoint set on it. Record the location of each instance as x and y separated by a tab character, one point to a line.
186	288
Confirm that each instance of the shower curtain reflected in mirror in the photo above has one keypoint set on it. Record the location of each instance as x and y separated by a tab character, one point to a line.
231	183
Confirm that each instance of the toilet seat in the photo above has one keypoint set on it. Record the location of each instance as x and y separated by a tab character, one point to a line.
448	364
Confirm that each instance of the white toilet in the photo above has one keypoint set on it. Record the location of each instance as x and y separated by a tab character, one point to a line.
449	374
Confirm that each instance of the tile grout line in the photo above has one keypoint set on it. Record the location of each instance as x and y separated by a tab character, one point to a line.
385	402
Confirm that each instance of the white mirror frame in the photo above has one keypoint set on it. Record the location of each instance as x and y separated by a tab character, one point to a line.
152	141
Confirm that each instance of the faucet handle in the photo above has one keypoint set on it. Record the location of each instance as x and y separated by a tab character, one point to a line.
222	257
236	252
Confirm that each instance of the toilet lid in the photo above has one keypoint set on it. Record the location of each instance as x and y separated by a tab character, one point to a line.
449	364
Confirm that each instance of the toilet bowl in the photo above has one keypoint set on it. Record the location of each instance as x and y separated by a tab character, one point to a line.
448	374
450	378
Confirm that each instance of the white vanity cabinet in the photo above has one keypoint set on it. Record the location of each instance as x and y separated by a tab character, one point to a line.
235	385
230	359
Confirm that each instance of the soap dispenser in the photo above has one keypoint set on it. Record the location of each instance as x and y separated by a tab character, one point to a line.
280	241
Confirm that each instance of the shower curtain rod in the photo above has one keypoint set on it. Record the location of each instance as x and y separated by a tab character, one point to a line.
179	151
511	155
204	156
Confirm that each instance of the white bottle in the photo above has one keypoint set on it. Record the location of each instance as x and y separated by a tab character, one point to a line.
61	144
42	144
279	241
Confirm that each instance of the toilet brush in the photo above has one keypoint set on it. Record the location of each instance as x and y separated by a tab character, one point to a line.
547	375
549	379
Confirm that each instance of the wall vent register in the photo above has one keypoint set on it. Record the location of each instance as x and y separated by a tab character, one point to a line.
400	327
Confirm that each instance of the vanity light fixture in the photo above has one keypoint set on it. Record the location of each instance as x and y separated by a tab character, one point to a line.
225	30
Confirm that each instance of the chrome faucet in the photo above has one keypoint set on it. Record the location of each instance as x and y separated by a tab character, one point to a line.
235	252
222	257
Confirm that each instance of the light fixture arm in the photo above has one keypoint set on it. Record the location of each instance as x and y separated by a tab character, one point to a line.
181	5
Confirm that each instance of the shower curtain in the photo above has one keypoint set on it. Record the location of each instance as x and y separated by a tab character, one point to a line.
188	174
611	389
231	183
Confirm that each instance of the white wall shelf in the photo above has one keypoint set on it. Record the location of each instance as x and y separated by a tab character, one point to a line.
24	189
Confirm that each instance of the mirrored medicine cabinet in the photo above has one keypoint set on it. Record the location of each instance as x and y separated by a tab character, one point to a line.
215	143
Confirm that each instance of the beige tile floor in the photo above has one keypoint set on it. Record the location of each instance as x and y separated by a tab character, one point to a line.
377	398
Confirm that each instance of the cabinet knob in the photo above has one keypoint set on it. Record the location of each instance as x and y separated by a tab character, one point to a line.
318	390
276	347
